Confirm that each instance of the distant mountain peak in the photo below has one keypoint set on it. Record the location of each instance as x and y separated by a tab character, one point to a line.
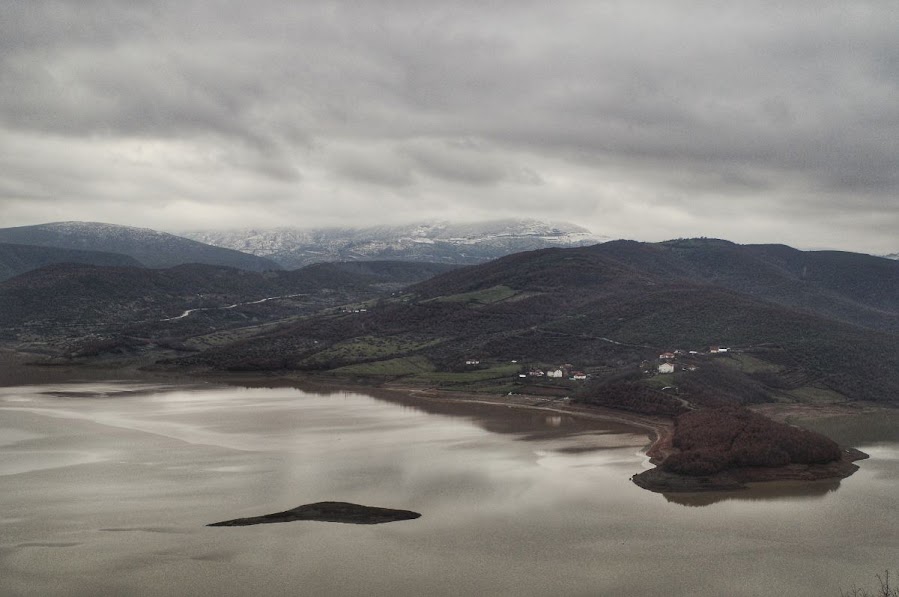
434	241
150	247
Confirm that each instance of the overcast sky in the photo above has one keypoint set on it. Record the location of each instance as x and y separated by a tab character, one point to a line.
756	121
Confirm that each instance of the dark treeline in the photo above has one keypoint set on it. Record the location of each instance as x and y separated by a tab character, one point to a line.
713	440
632	396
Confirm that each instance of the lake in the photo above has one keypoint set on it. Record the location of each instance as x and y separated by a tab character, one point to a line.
106	488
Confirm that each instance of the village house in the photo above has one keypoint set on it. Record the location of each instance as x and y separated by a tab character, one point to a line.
666	368
578	375
666	355
536	373
472	362
558	373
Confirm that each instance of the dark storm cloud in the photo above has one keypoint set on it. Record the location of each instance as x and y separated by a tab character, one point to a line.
637	119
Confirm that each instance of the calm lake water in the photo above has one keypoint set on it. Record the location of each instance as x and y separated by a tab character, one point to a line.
105	490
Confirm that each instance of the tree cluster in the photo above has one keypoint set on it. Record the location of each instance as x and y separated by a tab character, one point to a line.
634	397
713	440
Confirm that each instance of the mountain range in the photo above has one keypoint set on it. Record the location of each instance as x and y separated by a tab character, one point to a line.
802	324
437	242
816	325
149	247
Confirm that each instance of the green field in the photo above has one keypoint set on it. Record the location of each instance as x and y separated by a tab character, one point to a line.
815	394
467	377
389	368
369	347
749	364
494	294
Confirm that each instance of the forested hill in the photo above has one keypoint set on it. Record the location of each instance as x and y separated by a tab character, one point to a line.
823	321
149	247
18	259
56	297
850	287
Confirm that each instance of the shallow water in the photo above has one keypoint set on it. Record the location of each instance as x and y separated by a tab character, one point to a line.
106	488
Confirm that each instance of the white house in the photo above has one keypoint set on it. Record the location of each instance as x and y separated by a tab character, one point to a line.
666	368
555	373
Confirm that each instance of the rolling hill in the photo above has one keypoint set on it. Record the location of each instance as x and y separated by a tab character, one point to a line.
149	247
18	259
821	323
64	303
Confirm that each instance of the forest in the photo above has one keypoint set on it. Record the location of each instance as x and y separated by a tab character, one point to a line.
716	439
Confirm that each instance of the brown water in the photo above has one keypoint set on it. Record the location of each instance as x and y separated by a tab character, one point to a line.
105	490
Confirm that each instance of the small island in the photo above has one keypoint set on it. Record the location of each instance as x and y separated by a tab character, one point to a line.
326	512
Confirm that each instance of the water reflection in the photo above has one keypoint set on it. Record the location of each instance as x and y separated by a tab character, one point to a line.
514	502
527	424
759	492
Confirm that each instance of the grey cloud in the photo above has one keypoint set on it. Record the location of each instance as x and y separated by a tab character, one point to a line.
455	161
521	103
373	167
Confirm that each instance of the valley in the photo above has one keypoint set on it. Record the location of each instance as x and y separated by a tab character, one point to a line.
667	331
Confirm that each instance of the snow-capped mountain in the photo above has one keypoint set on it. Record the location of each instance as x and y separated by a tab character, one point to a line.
149	247
892	256
440	242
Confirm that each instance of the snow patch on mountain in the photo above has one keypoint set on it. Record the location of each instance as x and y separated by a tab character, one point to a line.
438	241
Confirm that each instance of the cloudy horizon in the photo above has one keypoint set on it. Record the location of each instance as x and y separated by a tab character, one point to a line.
761	122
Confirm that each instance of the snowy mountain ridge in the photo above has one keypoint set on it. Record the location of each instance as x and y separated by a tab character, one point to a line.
438	241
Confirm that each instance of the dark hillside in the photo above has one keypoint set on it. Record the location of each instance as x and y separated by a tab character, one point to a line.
18	259
568	306
853	288
65	302
69	294
149	247
850	287
547	270
401	273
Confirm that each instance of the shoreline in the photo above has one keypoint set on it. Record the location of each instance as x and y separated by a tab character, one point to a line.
659	430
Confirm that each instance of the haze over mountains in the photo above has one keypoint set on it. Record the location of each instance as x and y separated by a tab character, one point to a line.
290	248
438	242
18	259
149	247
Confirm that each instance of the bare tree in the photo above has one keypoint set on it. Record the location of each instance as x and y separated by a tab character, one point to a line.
885	590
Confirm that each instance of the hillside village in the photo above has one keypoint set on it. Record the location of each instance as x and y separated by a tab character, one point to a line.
668	362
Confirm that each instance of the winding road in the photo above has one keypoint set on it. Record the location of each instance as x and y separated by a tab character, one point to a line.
270	298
